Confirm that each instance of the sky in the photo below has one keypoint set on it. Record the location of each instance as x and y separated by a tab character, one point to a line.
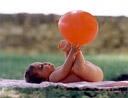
95	7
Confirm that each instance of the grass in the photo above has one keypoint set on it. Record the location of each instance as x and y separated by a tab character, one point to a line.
51	92
13	66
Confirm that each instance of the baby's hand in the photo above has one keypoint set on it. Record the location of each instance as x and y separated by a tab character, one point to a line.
65	45
62	44
75	48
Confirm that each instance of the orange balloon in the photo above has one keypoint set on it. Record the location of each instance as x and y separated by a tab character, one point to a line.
78	27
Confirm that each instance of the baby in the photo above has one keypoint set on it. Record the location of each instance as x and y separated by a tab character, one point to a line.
74	69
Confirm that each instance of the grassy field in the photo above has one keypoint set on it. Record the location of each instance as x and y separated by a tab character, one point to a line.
12	66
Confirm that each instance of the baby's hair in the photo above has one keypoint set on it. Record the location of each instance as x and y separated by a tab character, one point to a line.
31	76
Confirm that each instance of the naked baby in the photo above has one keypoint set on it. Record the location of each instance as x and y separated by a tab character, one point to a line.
74	69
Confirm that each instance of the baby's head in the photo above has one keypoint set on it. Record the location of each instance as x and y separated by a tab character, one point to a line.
38	72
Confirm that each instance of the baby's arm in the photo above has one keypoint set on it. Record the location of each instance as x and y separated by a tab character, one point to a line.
86	70
63	71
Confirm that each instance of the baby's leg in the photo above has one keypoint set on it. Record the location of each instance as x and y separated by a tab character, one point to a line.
86	70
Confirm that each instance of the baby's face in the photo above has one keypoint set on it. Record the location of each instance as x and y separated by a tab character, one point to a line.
43	69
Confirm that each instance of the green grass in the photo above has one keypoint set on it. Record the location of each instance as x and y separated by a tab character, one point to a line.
13	66
51	92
